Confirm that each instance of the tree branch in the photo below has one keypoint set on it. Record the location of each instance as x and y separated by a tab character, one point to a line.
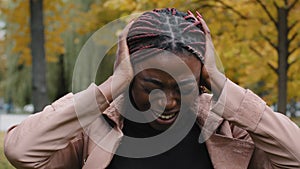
293	25
261	56
267	12
292	62
200	7
232	9
293	50
203	5
292	5
293	37
273	68
256	52
268	40
207	6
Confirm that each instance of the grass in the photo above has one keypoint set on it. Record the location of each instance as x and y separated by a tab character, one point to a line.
4	164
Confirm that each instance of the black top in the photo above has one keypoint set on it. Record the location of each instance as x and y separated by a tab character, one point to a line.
187	154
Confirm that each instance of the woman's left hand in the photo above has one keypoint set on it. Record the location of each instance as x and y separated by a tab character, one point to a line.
212	78
123	71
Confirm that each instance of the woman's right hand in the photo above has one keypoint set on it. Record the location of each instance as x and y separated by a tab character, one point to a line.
123	71
213	79
122	62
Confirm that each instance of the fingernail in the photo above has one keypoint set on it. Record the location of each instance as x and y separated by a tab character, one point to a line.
198	14
189	12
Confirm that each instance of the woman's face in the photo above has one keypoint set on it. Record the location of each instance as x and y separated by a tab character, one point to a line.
147	80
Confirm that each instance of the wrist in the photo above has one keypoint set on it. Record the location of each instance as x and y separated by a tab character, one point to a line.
114	86
217	81
106	89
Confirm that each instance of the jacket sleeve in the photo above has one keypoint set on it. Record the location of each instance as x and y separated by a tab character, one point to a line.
32	143
272	132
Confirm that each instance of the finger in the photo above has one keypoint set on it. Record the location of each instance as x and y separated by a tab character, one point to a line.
204	25
123	51
122	38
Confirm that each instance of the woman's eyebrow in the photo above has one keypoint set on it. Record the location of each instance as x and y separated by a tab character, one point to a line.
160	84
154	81
187	81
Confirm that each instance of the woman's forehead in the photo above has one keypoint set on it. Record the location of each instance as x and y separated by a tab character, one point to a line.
174	65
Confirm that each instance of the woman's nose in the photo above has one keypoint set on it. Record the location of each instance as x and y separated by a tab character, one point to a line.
169	102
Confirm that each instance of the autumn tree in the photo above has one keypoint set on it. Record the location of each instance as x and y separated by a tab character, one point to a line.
16	14
39	87
274	39
283	48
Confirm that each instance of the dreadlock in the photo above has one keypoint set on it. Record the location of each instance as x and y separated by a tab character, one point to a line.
166	29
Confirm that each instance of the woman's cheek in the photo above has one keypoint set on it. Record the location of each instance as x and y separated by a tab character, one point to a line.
142	101
146	101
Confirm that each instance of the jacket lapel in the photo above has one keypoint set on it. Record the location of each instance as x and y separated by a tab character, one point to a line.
229	153
102	145
103	150
225	151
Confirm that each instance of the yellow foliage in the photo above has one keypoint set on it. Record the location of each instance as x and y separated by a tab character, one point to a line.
18	24
26	56
233	36
56	22
121	5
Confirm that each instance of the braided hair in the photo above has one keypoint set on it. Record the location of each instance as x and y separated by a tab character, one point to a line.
165	29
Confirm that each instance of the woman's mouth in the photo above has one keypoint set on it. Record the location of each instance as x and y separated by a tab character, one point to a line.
165	118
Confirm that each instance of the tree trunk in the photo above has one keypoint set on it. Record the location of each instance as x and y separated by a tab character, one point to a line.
61	82
282	59
39	87
293	108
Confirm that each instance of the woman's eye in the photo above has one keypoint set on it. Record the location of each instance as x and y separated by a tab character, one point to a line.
153	90
147	89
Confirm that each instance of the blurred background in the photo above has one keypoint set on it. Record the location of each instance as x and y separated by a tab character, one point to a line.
257	40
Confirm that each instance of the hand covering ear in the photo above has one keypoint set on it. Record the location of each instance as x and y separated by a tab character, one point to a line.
123	71
212	78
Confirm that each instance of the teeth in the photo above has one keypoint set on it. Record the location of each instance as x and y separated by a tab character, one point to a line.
165	117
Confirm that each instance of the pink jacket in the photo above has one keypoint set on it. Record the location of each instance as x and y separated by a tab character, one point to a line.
245	133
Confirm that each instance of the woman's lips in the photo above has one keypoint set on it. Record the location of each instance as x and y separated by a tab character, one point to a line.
165	118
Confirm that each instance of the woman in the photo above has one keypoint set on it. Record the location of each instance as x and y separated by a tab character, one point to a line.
172	55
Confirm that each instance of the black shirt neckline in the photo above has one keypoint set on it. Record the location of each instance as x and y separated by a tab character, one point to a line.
187	154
